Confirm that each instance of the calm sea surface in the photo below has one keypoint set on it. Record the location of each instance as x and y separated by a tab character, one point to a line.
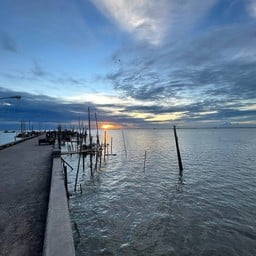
128	210
7	137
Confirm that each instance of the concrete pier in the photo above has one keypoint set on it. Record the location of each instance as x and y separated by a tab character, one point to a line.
25	177
58	239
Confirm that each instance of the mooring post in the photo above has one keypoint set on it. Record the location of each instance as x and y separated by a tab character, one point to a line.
178	151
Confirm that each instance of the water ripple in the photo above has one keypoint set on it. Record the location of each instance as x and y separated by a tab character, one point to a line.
124	210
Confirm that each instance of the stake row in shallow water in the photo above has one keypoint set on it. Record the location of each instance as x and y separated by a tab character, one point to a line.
101	150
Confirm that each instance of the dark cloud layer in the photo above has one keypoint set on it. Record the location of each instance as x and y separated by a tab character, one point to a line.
7	42
50	111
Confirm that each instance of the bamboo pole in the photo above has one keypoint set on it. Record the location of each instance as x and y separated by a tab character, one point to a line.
90	138
111	145
83	161
77	171
101	148
105	145
67	164
124	143
97	130
89	126
178	152
66	180
145	158
96	161
91	164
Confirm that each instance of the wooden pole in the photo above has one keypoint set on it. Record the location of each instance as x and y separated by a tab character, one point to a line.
66	179
111	145
105	144
124	143
178	151
77	141
145	158
77	171
67	164
91	164
89	123
83	161
101	148
97	129
96	160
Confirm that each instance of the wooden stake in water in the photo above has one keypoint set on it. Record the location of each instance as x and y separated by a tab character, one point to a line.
178	151
91	164
97	130
111	146
77	171
124	143
83	161
105	145
89	122
145	158
66	179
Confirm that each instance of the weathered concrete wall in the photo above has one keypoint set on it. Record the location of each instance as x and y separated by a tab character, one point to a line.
58	237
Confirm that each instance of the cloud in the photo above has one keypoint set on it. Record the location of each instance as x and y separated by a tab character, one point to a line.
40	108
175	70
192	80
197	63
37	70
251	7
152	21
137	17
56	83
51	111
8	43
128	112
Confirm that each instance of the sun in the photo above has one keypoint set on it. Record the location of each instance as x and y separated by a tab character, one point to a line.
109	126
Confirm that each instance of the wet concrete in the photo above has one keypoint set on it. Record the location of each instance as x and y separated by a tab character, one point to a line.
25	176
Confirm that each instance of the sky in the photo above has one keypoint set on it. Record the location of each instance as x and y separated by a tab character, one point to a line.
136	63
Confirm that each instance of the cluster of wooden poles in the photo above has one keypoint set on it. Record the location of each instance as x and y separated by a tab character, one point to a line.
100	150
84	146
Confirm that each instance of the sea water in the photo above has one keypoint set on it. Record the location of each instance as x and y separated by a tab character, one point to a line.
135	205
6	137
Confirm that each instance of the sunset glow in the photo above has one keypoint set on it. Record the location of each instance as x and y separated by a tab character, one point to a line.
109	126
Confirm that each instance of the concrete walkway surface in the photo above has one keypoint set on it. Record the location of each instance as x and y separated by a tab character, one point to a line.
25	176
